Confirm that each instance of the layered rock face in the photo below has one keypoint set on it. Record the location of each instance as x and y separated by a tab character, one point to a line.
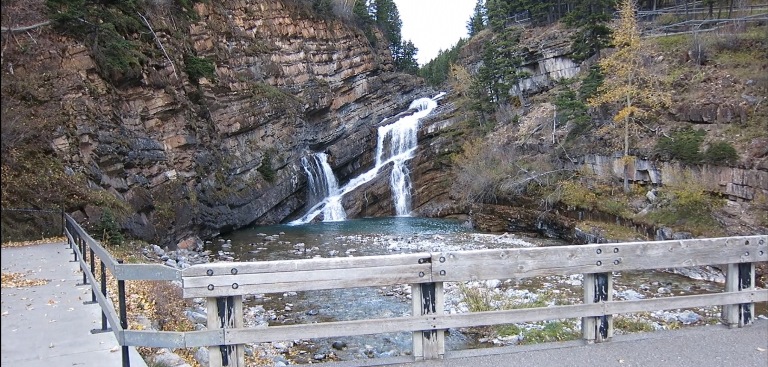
201	157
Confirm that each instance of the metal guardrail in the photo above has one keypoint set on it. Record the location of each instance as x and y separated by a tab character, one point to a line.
225	284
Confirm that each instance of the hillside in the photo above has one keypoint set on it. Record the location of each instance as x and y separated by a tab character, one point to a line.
171	121
699	165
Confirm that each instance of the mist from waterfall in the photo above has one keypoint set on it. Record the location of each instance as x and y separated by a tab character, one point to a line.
397	143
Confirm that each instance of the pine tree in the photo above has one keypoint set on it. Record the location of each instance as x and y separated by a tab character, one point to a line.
590	18
387	18
476	22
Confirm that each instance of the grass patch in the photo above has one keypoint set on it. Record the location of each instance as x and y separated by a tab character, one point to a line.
542	332
595	197
673	43
611	230
688	205
631	325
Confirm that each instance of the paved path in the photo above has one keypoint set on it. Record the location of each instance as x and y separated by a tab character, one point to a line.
701	346
48	325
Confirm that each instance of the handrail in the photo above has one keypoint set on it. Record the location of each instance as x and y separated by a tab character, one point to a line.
224	284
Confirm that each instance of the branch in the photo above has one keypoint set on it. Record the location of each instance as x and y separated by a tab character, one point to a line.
22	29
159	44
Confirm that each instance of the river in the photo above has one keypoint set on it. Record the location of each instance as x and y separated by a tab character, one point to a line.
396	235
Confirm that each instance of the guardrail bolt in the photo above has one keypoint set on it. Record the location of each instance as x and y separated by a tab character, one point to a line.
599	251
616	262
210	287
209	272
442	259
234	285
233	271
615	250
421	274
599	263
442	272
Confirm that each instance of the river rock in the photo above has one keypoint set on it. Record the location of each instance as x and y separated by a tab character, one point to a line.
165	357
201	356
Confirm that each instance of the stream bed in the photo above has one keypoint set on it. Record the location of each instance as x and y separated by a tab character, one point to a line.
396	235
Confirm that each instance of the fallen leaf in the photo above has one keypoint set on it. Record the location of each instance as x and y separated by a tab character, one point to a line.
114	349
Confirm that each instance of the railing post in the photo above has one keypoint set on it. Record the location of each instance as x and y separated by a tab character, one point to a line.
104	293
746	281
93	273
63	224
84	260
225	313
76	246
739	277
428	300
598	287
123	316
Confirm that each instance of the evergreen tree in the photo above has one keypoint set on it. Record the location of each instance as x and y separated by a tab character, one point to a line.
362	12
476	22
501	65
497	12
590	18
406	60
436	71
387	18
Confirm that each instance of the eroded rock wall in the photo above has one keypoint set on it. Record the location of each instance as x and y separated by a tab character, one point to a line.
200	157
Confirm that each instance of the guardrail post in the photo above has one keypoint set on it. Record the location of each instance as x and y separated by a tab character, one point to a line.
93	272
739	277
428	300
225	313
123	316
598	287
83	261
103	275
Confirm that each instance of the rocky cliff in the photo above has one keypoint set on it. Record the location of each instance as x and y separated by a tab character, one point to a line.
200	156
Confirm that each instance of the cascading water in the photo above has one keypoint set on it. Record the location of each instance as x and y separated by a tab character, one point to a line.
397	143
323	184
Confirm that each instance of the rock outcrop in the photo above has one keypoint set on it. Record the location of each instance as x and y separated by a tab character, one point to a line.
202	156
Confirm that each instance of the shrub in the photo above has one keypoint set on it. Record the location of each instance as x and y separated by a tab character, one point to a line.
109	230
682	145
198	67
721	153
266	169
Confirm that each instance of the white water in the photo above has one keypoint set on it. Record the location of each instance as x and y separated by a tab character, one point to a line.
323	184
397	143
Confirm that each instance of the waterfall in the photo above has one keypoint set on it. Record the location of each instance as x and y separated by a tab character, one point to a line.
322	184
396	144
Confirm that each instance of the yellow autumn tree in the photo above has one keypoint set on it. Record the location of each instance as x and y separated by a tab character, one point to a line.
630	85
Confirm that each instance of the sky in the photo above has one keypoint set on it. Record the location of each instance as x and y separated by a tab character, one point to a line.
434	25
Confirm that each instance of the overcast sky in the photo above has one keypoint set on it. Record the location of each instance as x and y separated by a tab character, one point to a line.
434	25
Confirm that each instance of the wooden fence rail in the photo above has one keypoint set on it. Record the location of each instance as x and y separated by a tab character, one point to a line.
224	284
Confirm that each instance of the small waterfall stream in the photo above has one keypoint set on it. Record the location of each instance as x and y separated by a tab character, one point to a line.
323	184
396	144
